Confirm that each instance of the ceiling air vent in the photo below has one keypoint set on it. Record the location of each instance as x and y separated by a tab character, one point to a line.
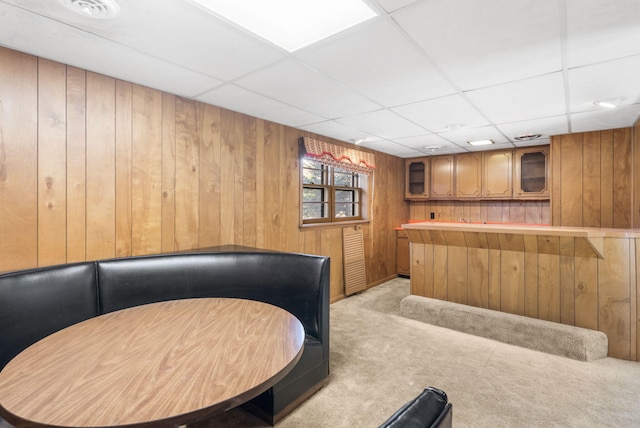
527	137
97	9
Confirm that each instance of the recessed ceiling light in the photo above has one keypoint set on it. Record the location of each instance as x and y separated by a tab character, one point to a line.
480	142
604	104
292	24
527	137
358	141
454	126
609	103
97	9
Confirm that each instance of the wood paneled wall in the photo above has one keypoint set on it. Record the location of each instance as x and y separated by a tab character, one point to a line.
93	167
592	183
529	212
635	147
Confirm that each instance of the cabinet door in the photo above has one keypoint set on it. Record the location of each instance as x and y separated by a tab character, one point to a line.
403	257
442	170
416	178
531	179
468	175
497	174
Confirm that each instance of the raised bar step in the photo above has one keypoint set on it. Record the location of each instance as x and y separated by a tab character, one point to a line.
553	338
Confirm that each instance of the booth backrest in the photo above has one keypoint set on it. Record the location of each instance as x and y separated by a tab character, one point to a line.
295	282
38	302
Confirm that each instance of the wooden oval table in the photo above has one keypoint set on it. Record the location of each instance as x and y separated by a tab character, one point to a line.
158	365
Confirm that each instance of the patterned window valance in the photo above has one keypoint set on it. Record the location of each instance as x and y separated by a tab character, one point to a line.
341	157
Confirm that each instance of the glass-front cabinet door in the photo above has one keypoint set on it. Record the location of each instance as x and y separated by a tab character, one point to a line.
531	180
416	178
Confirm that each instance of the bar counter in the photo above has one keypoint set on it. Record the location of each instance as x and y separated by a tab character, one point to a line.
586	277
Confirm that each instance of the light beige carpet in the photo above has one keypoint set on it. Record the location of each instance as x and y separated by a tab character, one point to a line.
380	360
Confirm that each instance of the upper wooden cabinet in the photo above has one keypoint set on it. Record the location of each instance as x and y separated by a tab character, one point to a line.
531	178
442	177
497	176
469	176
521	173
416	178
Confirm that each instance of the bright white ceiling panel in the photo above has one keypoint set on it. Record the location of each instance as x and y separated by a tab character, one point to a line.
621	117
383	123
380	63
483	43
178	32
292	24
600	30
606	81
439	114
463	136
497	146
522	100
548	126
234	98
96	54
333	129
296	84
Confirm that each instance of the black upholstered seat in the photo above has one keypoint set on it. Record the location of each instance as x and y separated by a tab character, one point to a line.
430	409
38	302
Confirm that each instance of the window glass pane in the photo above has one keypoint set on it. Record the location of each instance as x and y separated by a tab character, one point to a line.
313	195
312	177
344	179
312	210
346	210
345	196
313	172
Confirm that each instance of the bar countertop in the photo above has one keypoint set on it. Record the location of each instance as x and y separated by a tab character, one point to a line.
588	241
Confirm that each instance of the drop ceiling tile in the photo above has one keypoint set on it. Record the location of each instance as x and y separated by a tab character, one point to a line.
605	81
602	30
383	123
463	136
528	99
548	126
445	151
621	117
483	43
438	114
294	83
538	142
178	32
96	54
333	129
421	142
393	5
235	98
392	148
380	63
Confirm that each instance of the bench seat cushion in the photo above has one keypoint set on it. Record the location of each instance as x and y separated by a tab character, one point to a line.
38	302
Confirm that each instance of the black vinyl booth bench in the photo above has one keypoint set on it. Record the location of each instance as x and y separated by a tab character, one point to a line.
37	302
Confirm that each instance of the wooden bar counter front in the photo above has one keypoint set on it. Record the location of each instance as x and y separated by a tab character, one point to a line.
158	365
586	277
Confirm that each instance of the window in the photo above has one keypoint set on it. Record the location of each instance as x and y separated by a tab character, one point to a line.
330	193
334	182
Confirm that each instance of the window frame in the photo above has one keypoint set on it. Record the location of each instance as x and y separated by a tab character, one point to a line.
329	187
